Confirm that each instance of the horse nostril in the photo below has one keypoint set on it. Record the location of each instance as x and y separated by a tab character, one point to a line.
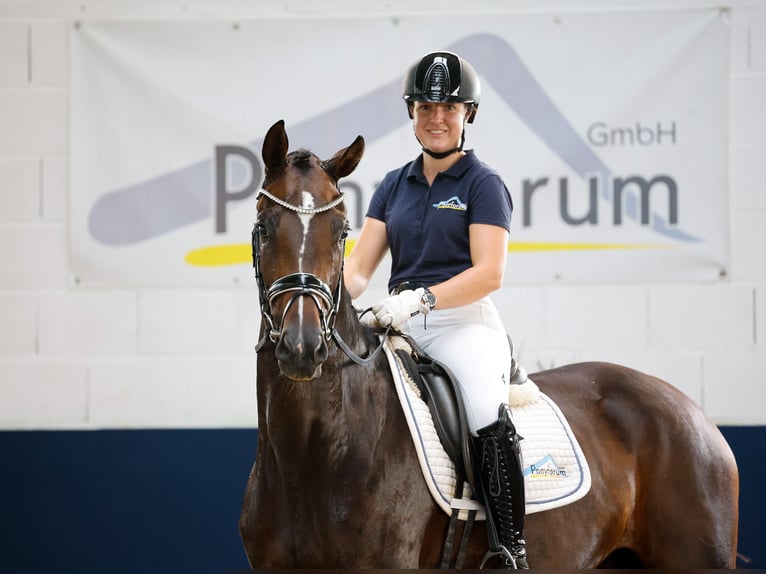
285	349
320	350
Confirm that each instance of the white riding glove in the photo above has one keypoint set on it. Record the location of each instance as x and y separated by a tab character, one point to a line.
397	309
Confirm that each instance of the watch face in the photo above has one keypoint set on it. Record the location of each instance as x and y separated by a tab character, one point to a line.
429	299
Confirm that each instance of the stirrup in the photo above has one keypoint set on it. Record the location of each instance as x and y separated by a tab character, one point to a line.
502	551
507	556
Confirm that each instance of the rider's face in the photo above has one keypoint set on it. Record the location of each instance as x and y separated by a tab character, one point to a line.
439	125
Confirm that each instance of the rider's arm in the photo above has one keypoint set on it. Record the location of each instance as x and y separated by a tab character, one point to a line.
368	252
489	249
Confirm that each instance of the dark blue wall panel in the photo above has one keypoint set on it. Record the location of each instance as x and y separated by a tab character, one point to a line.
91	501
101	500
749	446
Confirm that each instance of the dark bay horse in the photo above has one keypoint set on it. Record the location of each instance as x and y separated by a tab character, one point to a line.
336	482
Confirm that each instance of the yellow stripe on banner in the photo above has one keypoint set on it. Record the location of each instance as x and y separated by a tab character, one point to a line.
218	255
236	254
521	246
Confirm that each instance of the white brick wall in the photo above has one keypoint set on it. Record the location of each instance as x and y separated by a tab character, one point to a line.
596	317
72	357
188	323
34	121
20	199
33	255
197	391
18	335
45	393
49	49
13	53
748	178
733	386
95	324
757	39
708	318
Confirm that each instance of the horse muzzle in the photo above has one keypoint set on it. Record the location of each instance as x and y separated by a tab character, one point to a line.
301	353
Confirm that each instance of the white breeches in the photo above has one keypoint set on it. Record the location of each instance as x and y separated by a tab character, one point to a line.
471	340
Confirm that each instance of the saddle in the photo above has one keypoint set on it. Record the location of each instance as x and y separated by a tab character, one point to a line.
437	386
556	474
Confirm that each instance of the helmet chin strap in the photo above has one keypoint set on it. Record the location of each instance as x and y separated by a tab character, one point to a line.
443	154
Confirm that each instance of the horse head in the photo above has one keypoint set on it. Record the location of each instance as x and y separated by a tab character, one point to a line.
298	249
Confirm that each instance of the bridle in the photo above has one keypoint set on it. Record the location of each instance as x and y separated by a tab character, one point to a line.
299	284
309	285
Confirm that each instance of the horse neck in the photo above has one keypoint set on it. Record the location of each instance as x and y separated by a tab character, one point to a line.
338	416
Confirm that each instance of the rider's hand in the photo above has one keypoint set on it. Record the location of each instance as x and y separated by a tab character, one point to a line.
397	309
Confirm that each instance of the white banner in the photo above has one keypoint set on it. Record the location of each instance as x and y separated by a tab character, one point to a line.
610	131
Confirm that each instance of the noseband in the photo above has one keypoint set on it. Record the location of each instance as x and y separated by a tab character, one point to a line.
299	284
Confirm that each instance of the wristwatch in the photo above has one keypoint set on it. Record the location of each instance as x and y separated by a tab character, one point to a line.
428	299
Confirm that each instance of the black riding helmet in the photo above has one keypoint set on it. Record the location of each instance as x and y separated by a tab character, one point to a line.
442	77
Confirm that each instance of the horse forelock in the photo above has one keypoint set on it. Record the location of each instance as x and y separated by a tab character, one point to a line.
297	175
302	159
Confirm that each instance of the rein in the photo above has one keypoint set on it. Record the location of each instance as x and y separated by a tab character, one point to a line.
309	285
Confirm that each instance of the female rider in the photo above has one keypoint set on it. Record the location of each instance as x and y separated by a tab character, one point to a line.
445	216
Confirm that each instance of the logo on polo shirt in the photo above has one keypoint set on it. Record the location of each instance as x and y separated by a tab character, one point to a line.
451	203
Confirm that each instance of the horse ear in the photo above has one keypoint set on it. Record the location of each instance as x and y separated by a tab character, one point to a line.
274	148
346	160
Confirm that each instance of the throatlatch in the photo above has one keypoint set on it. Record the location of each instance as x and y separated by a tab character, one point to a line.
498	456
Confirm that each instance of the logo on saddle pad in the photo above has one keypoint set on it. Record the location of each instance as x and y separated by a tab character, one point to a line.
545	468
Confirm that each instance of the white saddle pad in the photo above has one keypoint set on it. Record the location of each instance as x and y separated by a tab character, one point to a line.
555	470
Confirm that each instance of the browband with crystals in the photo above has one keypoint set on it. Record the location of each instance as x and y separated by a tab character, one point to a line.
297	209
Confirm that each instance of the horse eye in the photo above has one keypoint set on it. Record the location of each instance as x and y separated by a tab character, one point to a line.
260	229
344	233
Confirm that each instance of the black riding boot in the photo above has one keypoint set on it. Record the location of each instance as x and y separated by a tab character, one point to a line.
502	484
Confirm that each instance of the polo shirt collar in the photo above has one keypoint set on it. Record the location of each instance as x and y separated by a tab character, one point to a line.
456	171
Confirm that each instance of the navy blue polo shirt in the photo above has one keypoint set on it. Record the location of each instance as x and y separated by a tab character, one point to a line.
427	226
